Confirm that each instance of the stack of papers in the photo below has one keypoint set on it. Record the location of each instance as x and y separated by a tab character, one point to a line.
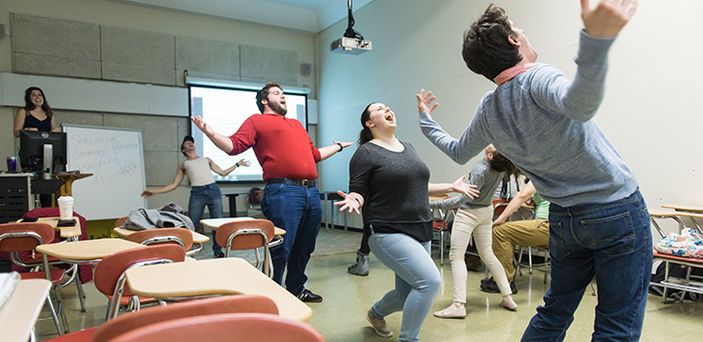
8	282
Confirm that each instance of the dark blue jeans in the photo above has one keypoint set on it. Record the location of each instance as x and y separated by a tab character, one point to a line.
297	210
612	242
207	195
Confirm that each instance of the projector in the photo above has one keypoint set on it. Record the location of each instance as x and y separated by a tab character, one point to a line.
351	46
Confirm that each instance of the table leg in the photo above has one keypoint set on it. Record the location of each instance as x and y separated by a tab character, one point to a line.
232	198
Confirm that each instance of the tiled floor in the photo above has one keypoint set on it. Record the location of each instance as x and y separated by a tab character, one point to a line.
347	298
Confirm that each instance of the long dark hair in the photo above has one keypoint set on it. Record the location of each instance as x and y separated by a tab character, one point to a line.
501	164
28	105
365	134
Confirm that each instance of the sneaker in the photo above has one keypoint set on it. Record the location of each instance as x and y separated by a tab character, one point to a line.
361	267
219	255
309	297
492	287
379	325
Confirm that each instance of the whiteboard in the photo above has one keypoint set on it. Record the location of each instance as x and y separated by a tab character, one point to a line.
115	157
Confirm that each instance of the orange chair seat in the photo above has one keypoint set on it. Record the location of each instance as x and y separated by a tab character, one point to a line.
85	335
56	275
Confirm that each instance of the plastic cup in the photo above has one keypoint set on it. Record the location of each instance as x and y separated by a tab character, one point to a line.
65	207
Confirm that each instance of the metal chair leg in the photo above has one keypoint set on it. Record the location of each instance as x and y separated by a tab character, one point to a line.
54	316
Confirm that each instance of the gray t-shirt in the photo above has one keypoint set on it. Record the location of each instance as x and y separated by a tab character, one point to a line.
394	187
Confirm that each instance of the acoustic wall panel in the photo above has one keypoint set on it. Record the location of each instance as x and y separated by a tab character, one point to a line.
49	46
137	56
217	59
261	64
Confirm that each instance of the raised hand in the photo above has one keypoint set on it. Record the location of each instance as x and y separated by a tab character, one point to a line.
147	193
243	162
467	189
608	18
424	101
348	203
202	125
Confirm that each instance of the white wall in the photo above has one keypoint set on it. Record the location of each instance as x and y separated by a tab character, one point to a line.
651	112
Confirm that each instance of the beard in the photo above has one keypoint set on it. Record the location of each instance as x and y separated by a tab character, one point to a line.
278	108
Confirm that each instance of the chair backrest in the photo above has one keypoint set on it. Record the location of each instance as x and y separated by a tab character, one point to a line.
110	269
251	327
181	236
120	221
246	241
24	236
210	306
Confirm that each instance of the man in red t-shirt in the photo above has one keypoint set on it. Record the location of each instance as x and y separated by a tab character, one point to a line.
291	199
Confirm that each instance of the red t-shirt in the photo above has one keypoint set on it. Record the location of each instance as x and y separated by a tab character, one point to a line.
282	146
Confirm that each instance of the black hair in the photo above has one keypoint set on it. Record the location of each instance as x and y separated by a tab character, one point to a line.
365	134
28	105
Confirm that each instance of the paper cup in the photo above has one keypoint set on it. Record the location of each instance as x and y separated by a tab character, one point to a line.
65	207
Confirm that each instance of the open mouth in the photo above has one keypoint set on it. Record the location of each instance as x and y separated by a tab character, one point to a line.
389	117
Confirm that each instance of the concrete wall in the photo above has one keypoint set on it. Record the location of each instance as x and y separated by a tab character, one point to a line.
651	112
110	40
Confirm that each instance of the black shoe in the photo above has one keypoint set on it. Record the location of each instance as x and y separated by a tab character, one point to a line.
492	287
219	255
487	280
309	297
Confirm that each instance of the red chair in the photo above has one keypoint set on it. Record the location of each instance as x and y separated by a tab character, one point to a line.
249	234
110	273
250	327
138	319
25	237
181	236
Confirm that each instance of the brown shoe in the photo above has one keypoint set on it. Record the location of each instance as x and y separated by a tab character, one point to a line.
379	325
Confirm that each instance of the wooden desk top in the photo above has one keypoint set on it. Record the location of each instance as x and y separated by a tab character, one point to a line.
19	313
669	213
215	223
197	237
213	276
66	232
684	207
86	250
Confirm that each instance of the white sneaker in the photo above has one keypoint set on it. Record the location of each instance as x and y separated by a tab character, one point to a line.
379	325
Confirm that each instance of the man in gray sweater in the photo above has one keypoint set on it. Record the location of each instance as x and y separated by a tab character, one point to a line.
599	225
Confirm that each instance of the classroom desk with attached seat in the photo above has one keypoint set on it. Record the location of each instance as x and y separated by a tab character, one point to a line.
18	314
213	277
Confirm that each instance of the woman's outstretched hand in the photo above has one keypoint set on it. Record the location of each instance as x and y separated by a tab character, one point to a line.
460	186
348	203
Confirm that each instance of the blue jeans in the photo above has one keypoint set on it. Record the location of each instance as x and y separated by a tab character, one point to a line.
206	195
417	280
297	210
612	242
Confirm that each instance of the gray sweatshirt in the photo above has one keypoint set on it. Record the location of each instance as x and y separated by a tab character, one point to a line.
543	123
486	181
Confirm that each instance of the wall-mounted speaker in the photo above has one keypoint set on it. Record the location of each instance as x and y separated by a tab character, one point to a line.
305	69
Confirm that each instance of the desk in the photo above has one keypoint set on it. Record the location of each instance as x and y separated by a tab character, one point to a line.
213	277
232	199
197	237
684	207
86	251
19	313
66	232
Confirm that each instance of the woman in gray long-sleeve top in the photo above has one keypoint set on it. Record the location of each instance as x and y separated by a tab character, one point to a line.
474	217
389	183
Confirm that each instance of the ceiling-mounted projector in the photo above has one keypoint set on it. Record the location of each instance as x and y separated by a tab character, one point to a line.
352	46
352	42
